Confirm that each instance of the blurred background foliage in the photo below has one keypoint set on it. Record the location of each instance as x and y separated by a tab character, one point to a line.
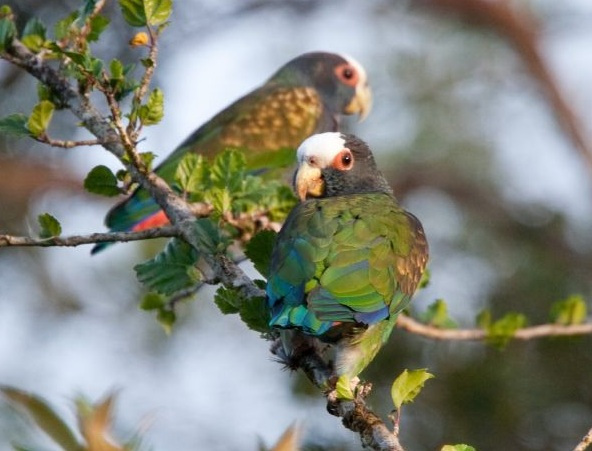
464	130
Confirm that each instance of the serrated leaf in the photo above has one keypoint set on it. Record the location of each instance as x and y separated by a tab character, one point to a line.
14	124
62	27
7	32
33	42
459	447
500	332
139	13
572	310
152	301
40	117
255	314
220	199
98	24
101	180
437	315
171	270
209	236
167	319
34	27
153	111
193	174
158	11
407	386
45	417
133	12
258	250
50	226
116	69
227	300
228	170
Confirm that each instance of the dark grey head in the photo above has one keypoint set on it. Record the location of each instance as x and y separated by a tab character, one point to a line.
335	164
340	81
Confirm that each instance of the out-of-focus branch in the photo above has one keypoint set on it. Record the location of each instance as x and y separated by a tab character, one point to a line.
93	238
66	144
522	32
585	443
528	333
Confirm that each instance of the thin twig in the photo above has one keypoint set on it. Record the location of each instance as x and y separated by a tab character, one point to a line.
528	333
93	238
66	144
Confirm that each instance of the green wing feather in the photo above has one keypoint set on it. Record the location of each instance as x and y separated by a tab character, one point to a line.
355	258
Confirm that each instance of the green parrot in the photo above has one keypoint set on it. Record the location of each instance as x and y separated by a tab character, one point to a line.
348	258
309	94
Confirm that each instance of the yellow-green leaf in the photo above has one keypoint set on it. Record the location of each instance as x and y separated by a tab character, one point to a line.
408	385
459	447
572	310
40	117
50	226
153	111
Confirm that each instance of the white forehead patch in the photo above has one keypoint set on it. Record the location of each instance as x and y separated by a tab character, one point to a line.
323	147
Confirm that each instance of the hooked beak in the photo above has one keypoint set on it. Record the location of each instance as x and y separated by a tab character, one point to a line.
308	181
361	104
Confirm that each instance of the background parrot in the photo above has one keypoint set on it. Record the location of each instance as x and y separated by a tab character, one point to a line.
307	95
347	259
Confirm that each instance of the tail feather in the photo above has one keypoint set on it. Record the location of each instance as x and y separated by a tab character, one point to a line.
138	212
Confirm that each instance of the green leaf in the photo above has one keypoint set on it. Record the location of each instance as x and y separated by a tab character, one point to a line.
227	300
158	11
116	69
40	117
87	8
171	270
45	417
34	27
7	32
167	319
209	236
152	301
255	314
14	124
500	332
460	447
258	250
437	315
101	180
153	111
228	170
220	199
407	386
193	174
98	24
50	226
572	310
139	13
62	27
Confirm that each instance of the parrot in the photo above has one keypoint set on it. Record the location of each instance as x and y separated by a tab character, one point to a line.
348	258
307	95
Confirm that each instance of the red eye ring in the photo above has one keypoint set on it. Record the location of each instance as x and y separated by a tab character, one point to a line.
347	74
343	161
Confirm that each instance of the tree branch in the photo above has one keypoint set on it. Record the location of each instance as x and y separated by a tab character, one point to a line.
77	240
528	333
585	443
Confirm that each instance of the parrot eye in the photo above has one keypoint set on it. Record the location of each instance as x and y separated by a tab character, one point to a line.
344	160
347	74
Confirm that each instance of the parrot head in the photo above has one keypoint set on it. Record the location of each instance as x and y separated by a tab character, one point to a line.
333	163
341	81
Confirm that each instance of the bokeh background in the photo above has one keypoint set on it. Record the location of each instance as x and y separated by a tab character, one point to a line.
463	126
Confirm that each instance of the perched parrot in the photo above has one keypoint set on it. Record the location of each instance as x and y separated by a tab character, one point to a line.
307	95
348	258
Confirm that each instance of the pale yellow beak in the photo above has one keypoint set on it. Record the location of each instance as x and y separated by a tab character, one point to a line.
361	104
308	181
